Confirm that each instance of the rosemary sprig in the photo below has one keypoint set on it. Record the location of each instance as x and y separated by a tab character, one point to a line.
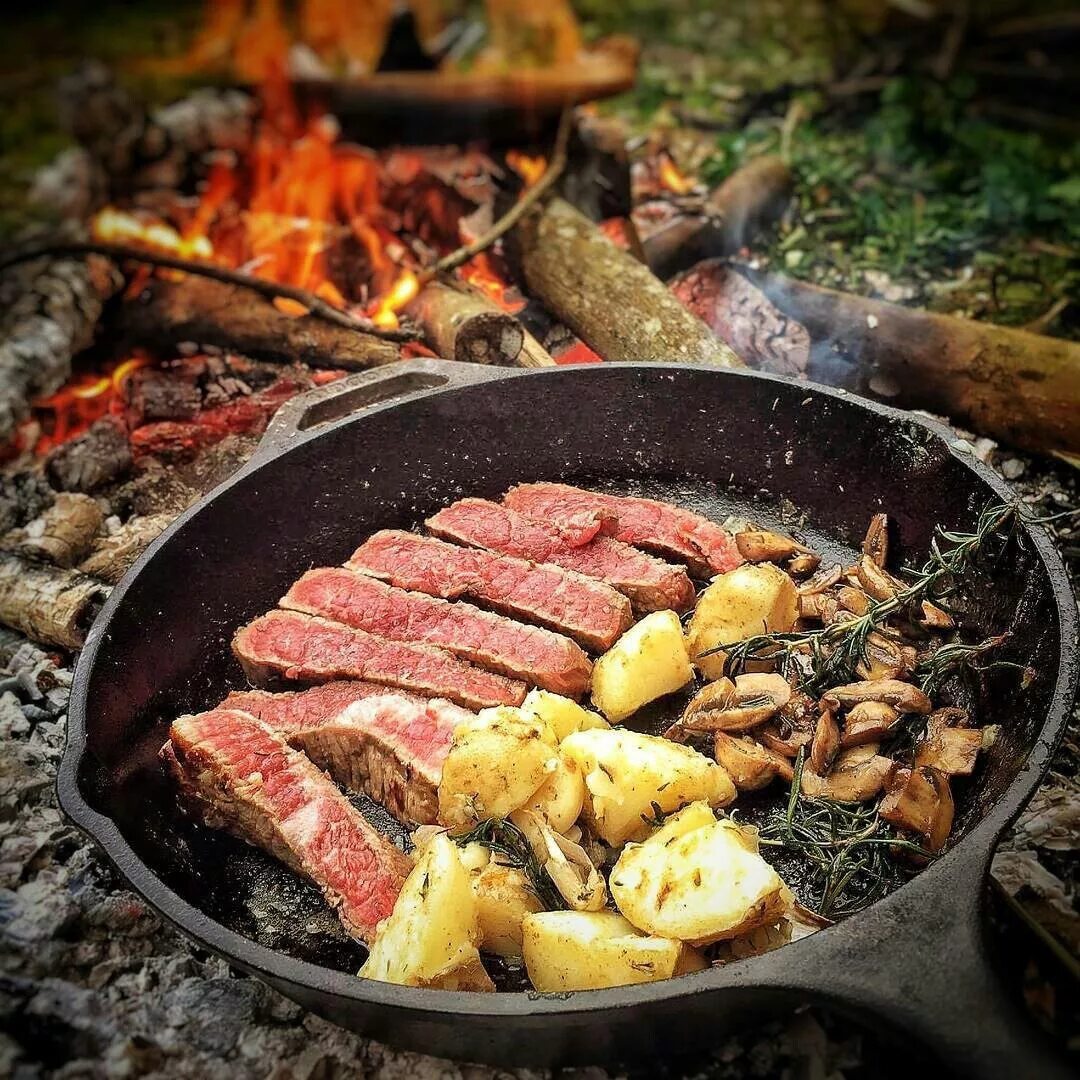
844	846
819	659
504	838
960	656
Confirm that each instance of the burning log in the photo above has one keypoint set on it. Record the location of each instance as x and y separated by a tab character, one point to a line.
114	555
62	534
48	605
1016	386
212	313
460	324
52	318
746	204
90	460
612	302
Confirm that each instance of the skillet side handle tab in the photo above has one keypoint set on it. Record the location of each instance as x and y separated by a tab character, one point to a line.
359	393
932	978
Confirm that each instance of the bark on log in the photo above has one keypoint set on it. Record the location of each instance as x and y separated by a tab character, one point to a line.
612	302
54	310
48	605
114	555
1014	386
459	324
749	202
62	534
212	313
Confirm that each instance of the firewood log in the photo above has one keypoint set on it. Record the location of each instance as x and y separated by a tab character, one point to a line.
62	534
210	313
750	201
113	555
1018	387
612	302
54	310
460	324
46	604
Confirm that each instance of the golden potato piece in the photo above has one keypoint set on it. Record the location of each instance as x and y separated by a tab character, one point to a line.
503	897
647	662
630	776
751	599
560	798
562	715
590	950
431	936
698	880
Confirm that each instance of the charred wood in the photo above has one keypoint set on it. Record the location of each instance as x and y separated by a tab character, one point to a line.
112	556
54	310
150	394
23	497
92	459
211	313
62	534
612	302
460	324
46	604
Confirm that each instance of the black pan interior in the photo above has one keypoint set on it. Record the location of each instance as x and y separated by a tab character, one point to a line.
719	443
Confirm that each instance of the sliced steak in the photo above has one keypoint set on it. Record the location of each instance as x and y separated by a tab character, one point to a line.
243	776
657	526
651	585
540	657
302	647
592	613
299	709
386	743
391	748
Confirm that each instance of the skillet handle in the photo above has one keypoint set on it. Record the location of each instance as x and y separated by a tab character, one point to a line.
355	394
933	979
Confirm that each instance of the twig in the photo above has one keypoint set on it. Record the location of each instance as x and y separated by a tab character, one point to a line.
512	216
272	290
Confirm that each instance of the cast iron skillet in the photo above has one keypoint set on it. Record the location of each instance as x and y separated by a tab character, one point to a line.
388	447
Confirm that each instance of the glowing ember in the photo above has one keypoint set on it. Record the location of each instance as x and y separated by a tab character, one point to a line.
674	180
88	397
530	167
404	289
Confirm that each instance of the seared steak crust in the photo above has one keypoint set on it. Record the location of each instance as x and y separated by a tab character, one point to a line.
308	649
651	584
245	777
657	526
588	611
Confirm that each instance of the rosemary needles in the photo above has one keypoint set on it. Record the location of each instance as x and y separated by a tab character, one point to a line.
505	839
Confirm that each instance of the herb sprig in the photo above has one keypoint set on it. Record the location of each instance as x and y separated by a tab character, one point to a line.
845	848
504	838
819	659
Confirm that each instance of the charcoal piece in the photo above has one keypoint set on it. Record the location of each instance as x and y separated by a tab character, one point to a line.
23	496
92	459
160	395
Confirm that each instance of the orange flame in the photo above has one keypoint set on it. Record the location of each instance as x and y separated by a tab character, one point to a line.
403	290
673	179
530	167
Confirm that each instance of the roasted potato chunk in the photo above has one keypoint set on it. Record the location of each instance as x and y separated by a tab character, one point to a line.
751	599
559	799
698	880
431	937
497	762
503	899
630	776
590	950
562	715
647	662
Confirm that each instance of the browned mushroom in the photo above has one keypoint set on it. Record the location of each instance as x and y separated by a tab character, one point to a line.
876	544
736	706
760	545
749	764
931	617
868	722
824	579
875	581
825	744
858	774
883	658
952	751
820	607
803	564
793	728
853	600
902	696
920	801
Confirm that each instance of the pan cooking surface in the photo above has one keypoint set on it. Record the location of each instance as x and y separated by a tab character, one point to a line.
724	445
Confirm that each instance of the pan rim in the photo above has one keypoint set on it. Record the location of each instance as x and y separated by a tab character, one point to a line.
441	1005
